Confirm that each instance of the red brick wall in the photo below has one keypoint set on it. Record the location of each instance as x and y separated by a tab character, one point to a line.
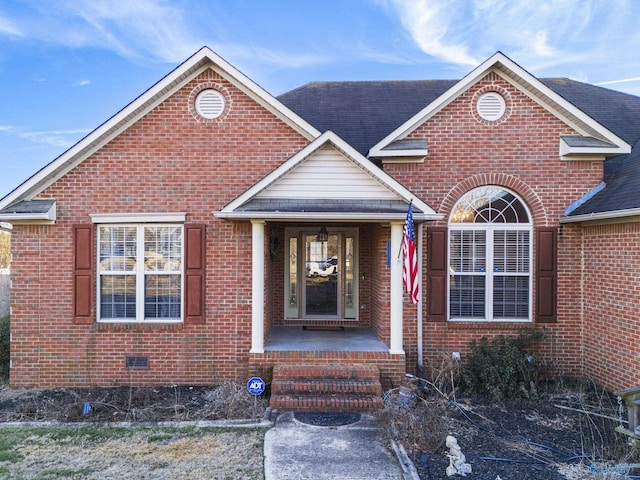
520	153
612	304
167	162
380	280
198	167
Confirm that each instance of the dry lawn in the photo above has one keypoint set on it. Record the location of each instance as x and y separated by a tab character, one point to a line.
141	453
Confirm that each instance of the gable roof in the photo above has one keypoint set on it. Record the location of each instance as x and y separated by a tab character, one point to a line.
524	81
341	184
364	113
200	61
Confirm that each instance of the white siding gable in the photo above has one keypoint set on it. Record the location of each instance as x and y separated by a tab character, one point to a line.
328	174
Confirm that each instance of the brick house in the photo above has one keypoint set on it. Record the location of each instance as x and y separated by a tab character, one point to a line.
209	231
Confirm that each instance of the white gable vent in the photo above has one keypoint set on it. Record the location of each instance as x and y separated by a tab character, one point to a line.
491	106
210	103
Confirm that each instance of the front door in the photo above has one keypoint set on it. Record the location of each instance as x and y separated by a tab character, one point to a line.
321	279
322	289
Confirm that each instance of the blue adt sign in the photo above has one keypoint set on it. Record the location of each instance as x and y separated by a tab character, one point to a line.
255	385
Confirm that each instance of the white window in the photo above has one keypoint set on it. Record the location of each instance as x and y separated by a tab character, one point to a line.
490	257
140	272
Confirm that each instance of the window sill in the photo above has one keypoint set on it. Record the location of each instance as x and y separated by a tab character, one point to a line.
488	325
138	326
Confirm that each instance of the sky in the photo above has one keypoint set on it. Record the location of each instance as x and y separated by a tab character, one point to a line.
67	66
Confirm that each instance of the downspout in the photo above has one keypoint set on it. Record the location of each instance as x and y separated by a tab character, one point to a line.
420	297
582	300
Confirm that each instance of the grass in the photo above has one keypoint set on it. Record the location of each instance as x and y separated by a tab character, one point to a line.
116	453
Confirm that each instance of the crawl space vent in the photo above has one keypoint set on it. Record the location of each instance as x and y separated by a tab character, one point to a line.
210	104
137	362
491	106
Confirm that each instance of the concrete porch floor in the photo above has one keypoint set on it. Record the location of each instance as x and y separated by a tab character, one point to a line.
351	339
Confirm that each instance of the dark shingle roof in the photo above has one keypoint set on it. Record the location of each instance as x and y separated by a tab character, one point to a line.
579	141
408	144
325	206
29	206
363	113
620	113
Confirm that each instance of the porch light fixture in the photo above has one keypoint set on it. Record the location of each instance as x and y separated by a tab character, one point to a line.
322	235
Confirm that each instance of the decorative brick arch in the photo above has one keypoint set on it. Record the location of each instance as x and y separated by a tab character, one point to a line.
525	192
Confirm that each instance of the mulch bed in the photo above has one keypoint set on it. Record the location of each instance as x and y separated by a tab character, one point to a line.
534	439
130	404
505	440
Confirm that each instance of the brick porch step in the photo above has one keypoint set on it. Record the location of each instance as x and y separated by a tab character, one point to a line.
326	388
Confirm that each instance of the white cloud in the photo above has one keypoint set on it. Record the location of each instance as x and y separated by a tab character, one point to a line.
82	83
541	46
149	30
430	23
627	85
8	29
275	58
137	30
540	34
56	138
624	80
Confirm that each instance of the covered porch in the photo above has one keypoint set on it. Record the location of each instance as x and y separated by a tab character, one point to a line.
335	369
326	231
334	339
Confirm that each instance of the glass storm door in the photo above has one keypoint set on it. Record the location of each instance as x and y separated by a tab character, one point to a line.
321	275
321	284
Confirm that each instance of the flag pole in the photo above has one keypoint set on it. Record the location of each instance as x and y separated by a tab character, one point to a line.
405	221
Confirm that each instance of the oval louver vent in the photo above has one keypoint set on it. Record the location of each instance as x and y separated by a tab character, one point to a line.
210	103
491	106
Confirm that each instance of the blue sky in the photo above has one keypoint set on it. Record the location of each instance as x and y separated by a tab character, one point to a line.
66	66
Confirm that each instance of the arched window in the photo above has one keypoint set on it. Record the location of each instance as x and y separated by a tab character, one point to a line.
490	256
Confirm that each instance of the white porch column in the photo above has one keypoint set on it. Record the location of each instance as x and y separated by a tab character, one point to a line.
257	286
395	343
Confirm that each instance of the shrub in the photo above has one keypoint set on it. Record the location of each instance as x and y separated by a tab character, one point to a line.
4	348
504	367
418	427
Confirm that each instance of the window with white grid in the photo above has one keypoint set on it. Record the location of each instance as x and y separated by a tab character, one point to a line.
490	255
140	273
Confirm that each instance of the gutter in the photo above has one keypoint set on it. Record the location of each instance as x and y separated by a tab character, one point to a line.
325	216
592	217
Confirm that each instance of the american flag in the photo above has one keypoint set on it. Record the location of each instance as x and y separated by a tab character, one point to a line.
410	265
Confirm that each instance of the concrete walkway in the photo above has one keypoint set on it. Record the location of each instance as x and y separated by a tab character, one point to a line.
358	451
